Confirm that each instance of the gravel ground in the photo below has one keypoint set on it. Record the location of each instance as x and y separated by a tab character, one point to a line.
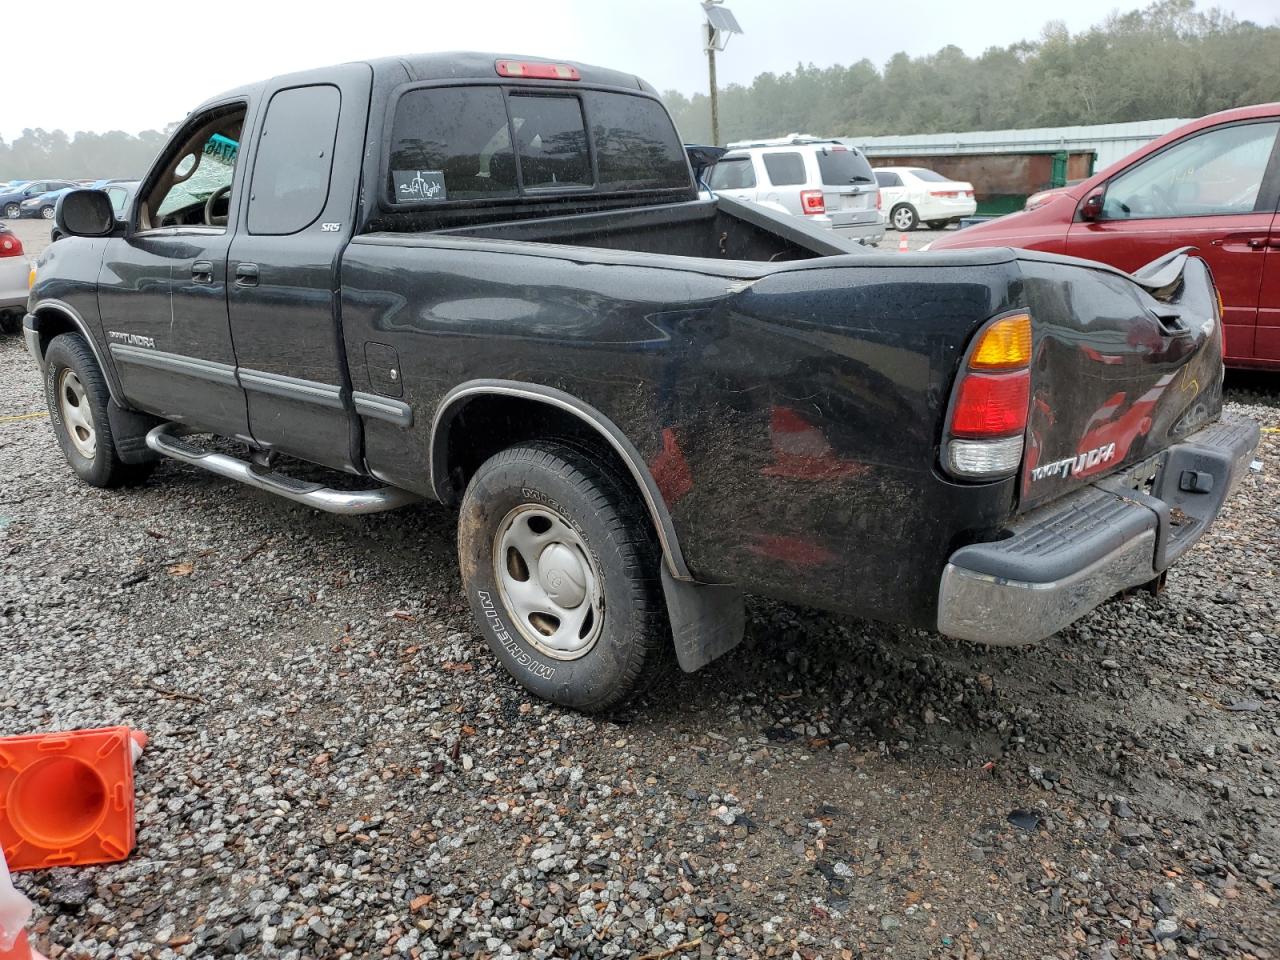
338	768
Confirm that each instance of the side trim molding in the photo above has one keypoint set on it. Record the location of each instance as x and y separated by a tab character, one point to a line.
221	373
457	398
383	408
291	388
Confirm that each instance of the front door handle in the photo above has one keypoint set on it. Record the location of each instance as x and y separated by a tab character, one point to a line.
247	275
202	271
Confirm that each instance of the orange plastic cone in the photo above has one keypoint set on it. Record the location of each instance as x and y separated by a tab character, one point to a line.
66	799
903	246
15	911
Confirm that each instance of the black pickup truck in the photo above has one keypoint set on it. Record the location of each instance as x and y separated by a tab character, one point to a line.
492	282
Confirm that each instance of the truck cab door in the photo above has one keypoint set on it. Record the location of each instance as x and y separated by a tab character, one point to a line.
283	266
1210	190
162	287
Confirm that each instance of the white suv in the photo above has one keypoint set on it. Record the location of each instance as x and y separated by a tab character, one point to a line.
824	181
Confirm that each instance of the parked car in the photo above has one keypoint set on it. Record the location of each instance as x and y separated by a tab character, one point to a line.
119	192
13	280
823	181
11	200
1041	197
42	205
913	195
1213	185
436	276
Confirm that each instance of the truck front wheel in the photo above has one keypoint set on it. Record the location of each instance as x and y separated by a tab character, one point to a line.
76	392
560	566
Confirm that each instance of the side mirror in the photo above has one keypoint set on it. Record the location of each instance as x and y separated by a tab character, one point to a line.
84	213
1091	209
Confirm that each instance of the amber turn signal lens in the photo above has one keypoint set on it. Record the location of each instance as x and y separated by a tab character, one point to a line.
1004	345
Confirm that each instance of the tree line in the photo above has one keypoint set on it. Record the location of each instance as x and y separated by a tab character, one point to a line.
1167	60
47	154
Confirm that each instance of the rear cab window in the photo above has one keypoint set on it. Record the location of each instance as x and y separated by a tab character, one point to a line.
495	143
785	169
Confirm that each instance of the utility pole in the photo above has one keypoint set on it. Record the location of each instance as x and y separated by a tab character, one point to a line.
711	74
721	25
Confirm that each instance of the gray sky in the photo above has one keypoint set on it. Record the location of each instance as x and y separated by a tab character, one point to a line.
86	72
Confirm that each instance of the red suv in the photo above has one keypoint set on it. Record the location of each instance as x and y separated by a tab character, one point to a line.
1213	185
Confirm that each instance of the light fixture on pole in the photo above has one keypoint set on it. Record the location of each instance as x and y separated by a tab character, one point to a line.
720	26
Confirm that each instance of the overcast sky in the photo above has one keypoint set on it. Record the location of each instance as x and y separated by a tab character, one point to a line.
148	63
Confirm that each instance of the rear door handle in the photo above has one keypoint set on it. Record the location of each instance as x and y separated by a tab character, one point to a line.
202	271
247	275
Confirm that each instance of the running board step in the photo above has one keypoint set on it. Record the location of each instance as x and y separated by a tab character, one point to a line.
168	440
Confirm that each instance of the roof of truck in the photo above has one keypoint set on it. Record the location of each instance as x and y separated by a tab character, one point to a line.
453	65
472	64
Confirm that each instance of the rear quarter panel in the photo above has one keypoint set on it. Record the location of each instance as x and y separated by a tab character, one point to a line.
790	414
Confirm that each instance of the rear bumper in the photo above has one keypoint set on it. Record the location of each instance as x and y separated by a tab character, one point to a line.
13	282
872	232
1065	558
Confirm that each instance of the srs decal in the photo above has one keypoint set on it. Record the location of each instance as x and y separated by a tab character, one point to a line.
532	664
1077	464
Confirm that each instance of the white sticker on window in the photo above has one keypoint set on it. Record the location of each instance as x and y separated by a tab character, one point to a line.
413	186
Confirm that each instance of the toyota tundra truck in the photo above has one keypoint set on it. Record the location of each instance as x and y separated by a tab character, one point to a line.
491	282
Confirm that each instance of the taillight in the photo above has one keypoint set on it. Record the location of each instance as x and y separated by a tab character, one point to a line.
811	202
10	245
989	406
968	193
878	200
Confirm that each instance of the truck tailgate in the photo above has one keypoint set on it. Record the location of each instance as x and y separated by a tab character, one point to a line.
1118	374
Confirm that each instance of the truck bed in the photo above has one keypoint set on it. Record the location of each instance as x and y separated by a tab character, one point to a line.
719	228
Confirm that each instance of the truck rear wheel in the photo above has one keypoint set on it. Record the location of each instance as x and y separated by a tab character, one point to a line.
560	565
77	395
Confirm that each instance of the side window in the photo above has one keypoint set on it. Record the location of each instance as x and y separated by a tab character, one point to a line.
451	143
295	158
887	178
193	187
551	141
736	173
208	170
1216	172
784	169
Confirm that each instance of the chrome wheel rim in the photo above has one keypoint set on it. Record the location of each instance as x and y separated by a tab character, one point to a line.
902	218
47	213
77	416
11	210
548	581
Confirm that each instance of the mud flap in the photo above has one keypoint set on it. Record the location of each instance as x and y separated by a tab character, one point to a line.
129	432
707	620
